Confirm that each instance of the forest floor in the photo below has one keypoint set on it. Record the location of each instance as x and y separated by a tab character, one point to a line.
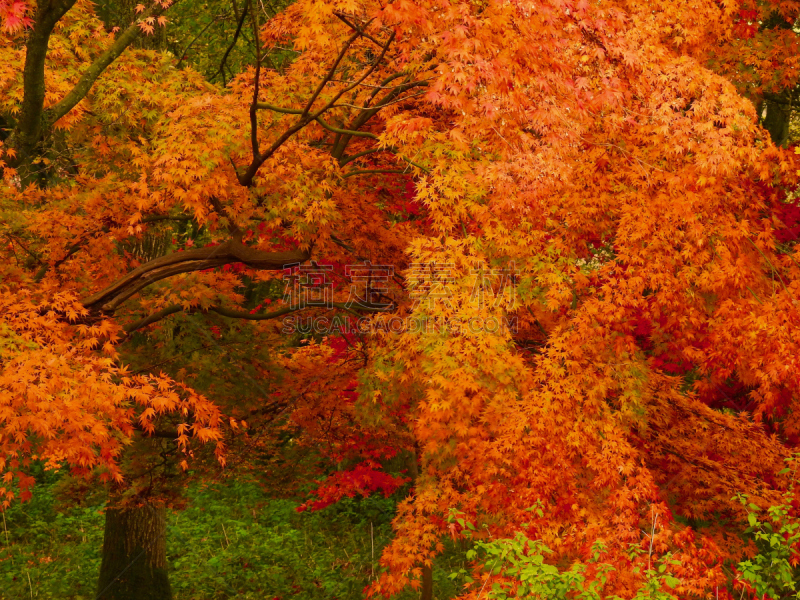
231	541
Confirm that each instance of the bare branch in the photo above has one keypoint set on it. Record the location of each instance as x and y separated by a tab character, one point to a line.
233	42
382	105
356	83
246	179
156	316
368	112
197	37
330	73
256	85
339	15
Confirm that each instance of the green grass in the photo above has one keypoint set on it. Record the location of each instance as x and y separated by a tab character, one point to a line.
230	542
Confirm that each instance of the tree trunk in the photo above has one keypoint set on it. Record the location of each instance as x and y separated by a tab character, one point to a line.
30	128
134	563
776	113
426	593
427	584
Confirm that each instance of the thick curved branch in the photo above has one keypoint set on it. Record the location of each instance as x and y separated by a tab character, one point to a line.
199	259
79	245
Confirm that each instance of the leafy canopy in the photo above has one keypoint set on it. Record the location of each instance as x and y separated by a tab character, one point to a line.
592	172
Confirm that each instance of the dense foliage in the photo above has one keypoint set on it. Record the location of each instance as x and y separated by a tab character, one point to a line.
527	268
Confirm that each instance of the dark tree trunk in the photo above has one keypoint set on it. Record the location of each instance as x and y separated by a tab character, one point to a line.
426	593
31	137
776	112
134	563
427	584
30	126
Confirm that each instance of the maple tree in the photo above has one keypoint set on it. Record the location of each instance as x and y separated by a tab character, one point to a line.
587	339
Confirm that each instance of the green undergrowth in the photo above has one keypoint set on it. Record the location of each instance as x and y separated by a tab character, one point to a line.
231	541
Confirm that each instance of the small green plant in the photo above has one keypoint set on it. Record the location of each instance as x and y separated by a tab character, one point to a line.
526	573
772	573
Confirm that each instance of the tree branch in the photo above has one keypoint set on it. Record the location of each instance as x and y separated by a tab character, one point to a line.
278	109
30	252
54	113
74	249
156	218
256	85
246	179
339	15
199	259
356	83
152	318
371	172
330	73
346	131
239	314
197	37
347	159
232	44
368	112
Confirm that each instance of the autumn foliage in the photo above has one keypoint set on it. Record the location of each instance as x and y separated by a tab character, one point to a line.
589	174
